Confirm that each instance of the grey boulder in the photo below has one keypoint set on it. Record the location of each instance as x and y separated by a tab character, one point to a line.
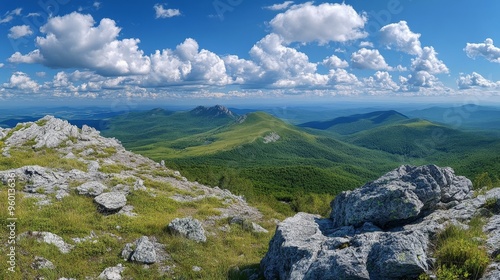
381	231
189	228
111	202
144	251
402	195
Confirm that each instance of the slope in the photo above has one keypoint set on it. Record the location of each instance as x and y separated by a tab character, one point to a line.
420	141
137	129
260	155
356	123
59	172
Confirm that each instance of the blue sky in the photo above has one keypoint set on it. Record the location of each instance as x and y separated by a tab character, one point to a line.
80	51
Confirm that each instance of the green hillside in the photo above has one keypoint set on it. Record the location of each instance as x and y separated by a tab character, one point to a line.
267	159
256	155
421	141
356	123
418	138
136	129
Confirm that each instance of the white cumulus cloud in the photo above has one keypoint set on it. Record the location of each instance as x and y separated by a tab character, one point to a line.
186	64
429	62
322	23
366	44
161	12
335	62
279	61
401	38
466	81
72	41
341	76
21	81
242	71
369	59
19	31
381	80
422	79
486	50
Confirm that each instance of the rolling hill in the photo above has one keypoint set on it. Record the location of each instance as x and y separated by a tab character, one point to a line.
252	154
356	123
421	141
468	116
265	158
158	125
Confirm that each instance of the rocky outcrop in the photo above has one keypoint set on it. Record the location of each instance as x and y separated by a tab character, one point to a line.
382	230
73	162
401	195
144	251
271	137
189	228
3	132
216	111
48	132
112	202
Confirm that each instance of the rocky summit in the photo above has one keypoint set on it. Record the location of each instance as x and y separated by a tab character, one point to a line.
383	230
105	211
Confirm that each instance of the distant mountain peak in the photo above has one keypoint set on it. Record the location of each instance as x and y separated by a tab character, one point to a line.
215	111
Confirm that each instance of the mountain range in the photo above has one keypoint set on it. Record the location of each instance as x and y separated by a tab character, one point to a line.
87	208
205	143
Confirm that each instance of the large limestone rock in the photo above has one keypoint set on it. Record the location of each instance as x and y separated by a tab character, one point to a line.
51	133
93	188
111	202
381	231
189	228
3	132
403	194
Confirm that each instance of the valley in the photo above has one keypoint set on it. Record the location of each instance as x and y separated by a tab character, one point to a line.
218	147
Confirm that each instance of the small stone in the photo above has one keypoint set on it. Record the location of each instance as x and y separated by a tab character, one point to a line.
112	273
41	263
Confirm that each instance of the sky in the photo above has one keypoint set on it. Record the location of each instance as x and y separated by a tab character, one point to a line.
184	51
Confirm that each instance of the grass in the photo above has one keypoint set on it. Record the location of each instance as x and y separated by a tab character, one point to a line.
113	168
76	216
460	253
45	157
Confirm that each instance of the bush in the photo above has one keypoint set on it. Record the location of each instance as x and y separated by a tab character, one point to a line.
460	253
312	203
